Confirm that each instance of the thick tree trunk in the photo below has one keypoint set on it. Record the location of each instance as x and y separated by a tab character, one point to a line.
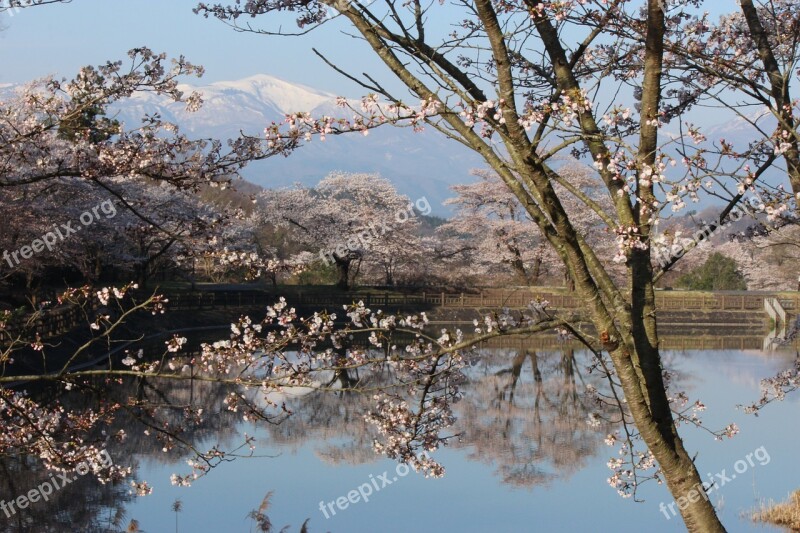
659	433
389	279
518	266
569	283
98	268
343	270
520	273
638	364
536	272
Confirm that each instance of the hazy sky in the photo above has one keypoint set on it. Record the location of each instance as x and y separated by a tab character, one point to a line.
58	39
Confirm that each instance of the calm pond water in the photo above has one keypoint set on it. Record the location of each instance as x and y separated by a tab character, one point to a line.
528	459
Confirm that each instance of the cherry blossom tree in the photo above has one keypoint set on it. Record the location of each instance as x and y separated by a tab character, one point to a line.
145	236
496	230
55	128
778	250
348	219
60	150
531	416
752	54
397	257
523	82
166	224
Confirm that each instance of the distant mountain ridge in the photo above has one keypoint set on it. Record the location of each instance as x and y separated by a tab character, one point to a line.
419	164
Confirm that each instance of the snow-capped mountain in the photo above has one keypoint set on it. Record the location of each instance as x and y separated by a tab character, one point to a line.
739	129
419	164
231	106
279	94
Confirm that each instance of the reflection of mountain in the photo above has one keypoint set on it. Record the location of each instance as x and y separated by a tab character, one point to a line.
333	420
417	163
746	372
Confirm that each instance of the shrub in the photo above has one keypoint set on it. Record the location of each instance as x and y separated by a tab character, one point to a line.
718	273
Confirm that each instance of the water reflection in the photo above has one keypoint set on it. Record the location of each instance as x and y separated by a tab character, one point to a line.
83	505
154	423
523	412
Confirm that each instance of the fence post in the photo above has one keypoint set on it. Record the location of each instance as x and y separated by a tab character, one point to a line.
442	299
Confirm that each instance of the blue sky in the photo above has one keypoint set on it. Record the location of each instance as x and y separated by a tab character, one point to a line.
59	39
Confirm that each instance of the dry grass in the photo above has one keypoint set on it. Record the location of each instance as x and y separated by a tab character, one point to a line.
785	514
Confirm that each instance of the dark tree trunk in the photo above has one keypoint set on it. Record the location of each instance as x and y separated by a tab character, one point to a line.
537	271
343	269
569	283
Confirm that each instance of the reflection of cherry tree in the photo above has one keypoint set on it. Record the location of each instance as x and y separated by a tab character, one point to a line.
156	421
525	413
82	505
102	501
399	397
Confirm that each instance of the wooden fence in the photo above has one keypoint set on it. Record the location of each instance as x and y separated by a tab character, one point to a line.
668	300
668	342
63	319
47	324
